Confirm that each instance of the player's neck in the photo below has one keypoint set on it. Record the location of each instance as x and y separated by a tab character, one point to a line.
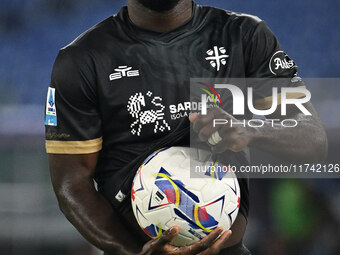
159	21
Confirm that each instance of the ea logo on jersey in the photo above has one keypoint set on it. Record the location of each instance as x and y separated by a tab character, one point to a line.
280	62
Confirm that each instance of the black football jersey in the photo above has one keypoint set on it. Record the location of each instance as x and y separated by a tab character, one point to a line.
118	89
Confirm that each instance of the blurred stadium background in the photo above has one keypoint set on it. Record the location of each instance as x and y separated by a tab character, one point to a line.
286	217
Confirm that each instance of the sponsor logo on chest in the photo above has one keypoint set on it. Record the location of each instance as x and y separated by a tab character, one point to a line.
123	71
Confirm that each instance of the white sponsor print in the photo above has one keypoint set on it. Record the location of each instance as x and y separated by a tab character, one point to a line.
279	62
217	57
147	110
123	71
120	196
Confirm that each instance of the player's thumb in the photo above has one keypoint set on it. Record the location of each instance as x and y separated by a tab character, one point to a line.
168	235
193	117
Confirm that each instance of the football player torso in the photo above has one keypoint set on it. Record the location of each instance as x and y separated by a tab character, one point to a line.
119	89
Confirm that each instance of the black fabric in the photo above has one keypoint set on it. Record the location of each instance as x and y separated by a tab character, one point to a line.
135	113
176	138
237	249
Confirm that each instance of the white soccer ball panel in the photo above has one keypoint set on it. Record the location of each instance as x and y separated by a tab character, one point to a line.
165	194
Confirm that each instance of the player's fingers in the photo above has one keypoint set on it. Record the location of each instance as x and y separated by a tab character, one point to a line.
206	132
201	121
201	245
218	245
167	236
220	147
231	141
193	117
217	112
213	113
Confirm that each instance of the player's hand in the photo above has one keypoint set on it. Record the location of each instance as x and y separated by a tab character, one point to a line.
207	246
228	137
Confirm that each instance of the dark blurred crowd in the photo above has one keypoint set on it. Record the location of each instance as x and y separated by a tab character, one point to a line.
294	217
31	33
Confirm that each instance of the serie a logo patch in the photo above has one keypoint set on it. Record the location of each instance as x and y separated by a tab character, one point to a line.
51	110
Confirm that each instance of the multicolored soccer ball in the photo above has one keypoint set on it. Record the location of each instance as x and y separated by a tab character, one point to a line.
166	192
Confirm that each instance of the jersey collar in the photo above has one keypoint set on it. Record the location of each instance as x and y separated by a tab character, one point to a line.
166	37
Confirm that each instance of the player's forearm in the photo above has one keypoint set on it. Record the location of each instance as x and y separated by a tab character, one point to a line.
307	142
95	219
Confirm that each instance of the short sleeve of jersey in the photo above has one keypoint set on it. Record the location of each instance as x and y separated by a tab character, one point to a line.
72	119
266	61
